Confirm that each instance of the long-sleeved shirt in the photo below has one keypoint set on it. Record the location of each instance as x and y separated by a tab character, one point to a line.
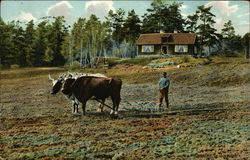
164	82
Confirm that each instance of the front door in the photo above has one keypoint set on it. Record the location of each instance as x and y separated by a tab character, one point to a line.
164	49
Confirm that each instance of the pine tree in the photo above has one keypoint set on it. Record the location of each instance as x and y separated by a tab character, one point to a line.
116	21
29	43
191	23
228	30
48	56
207	35
132	27
18	38
57	31
163	16
229	39
6	43
246	44
41	43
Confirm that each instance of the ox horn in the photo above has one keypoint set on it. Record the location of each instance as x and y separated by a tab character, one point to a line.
51	78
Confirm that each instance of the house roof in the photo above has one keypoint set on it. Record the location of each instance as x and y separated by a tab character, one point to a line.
175	38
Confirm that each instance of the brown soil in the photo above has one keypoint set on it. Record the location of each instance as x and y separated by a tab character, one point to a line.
205	120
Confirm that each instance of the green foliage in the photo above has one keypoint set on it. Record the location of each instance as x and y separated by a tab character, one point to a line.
139	60
78	32
163	16
184	61
228	31
75	65
230	40
7	54
57	31
97	38
228	53
14	66
246	40
30	58
117	52
41	43
51	43
19	52
132	27
191	23
207	35
245	43
116	21
48	57
29	43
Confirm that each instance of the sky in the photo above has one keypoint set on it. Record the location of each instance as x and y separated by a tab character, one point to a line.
236	11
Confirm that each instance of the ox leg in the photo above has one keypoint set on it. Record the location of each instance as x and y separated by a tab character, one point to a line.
102	105
76	107
73	108
84	107
116	101
117	104
113	109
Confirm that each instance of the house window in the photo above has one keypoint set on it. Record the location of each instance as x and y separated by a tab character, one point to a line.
181	48
147	48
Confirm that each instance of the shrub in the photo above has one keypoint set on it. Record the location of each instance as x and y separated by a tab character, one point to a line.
112	61
4	66
14	66
227	53
140	60
75	65
184	59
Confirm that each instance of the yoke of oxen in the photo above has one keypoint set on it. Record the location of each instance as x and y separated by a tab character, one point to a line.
99	87
77	75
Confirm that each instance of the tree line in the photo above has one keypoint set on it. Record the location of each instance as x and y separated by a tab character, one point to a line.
55	43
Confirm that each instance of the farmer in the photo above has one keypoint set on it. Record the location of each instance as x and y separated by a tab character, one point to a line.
163	89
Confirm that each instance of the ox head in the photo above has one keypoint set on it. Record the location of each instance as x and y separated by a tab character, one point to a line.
66	89
57	84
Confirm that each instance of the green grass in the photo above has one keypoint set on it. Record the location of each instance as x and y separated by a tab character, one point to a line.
185	61
30	72
138	61
227	60
220	72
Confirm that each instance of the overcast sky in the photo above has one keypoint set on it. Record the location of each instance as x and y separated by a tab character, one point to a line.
237	11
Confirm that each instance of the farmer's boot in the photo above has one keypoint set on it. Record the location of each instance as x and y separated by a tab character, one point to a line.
167	102
160	104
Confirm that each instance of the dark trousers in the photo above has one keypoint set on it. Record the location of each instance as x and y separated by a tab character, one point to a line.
164	94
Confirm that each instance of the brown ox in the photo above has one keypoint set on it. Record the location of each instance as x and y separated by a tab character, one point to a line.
87	87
